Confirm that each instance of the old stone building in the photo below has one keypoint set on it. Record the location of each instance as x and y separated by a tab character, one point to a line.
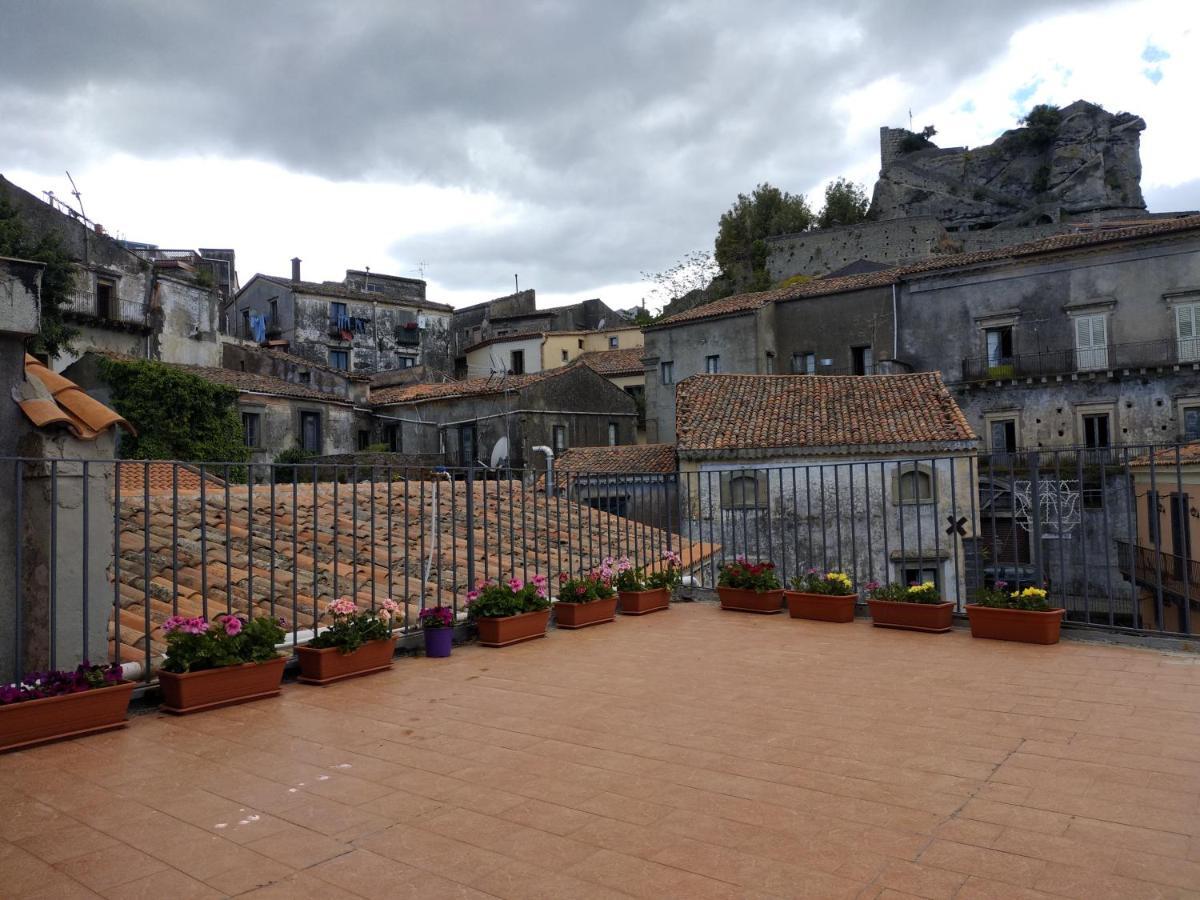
365	323
537	351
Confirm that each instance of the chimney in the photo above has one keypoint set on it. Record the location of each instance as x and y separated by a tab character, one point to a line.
295	268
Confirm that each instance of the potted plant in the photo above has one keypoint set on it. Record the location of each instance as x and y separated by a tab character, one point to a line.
509	612
50	706
824	598
917	607
641	592
231	659
358	642
437	624
1023	616
750	587
587	600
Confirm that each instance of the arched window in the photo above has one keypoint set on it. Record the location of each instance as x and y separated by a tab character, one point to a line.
743	491
914	486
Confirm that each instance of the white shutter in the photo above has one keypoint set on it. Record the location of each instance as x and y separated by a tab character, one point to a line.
1185	332
1091	342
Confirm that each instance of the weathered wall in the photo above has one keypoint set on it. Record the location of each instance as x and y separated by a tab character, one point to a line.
280	424
243	358
818	252
493	358
189	331
828	326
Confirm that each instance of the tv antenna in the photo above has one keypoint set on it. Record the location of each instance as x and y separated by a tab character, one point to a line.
78	196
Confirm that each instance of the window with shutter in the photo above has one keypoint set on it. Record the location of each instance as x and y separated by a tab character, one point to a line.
1187	338
1091	342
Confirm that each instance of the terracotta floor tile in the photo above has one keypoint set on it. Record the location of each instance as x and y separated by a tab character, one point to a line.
21	871
238	880
110	867
59	887
1018	870
298	848
921	881
170	883
546	816
66	843
364	873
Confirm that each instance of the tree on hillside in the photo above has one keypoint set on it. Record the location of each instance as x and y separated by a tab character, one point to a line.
58	277
693	272
846	203
741	246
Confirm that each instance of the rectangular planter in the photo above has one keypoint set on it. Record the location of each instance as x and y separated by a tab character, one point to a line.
638	603
502	631
327	665
1024	625
190	692
581	615
743	600
67	716
821	607
935	618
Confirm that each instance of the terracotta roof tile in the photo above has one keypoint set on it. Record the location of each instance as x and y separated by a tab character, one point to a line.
49	399
472	387
162	476
614	362
1187	454
643	459
761	412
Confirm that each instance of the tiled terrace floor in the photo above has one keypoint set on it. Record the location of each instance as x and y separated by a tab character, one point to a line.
690	754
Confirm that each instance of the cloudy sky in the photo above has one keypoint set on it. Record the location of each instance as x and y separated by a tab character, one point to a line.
578	144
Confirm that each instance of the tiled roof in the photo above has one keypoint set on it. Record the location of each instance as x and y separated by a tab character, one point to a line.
504	338
162	476
48	399
614	362
302	548
1186	454
634	459
742	303
333	289
472	387
761	412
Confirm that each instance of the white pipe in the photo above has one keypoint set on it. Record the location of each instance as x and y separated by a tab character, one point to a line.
549	467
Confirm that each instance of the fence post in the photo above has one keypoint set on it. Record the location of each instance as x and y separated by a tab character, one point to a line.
469	524
1035	518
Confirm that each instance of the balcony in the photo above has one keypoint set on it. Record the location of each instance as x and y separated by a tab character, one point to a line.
107	311
1144	354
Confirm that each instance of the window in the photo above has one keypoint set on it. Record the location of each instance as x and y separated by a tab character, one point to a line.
105	296
919	573
1091	342
1191	423
862	362
364	439
1095	430
273	321
466	444
374	288
999	344
304	377
804	363
1003	434
517	362
310	432
391	437
1187	332
406	362
566	356
712	364
581	343
614	434
668	372
340	359
246	333
250	429
770	363
914	486
613	343
744	490
339	317
559	438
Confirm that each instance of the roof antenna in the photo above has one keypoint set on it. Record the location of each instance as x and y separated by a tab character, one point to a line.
516	284
78	196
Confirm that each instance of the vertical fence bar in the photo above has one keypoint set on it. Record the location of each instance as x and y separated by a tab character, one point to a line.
250	540
371	552
145	565
203	542
1154	519
809	515
295	551
407	564
837	510
1185	544
885	575
174	536
956	549
1108	545
853	527
934	527
316	584
972	490
470	528
19	573
54	566
1087	582
425	563
271	536
918	515
336	522
86	644
1131	530
228	548
353	530
824	536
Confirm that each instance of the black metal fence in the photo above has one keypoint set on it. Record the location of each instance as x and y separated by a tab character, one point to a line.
96	554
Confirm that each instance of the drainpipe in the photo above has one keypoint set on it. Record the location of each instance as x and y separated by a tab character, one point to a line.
549	467
895	324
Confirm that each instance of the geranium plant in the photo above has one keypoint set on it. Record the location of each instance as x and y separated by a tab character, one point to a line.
194	644
432	617
500	599
585	588
1032	599
627	577
748	576
353	627
925	592
834	584
56	682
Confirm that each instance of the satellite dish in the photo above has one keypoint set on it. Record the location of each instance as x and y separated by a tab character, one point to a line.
600	327
499	453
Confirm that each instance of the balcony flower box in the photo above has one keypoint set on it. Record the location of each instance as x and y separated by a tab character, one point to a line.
229	660
54	706
509	612
643	590
1022	616
437	626
916	607
750	587
587	600
358	642
822	598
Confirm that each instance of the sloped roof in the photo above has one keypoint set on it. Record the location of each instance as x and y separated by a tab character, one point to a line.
763	412
1186	454
163	477
333	289
471	387
505	338
614	362
48	399
632	459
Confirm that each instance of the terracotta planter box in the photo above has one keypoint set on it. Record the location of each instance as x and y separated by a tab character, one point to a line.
191	692
502	631
66	716
935	618
329	664
1024	625
638	603
581	615
744	600
821	607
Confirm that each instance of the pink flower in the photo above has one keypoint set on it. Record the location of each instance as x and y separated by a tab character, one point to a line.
343	606
389	605
538	579
233	625
472	596
384	615
515	584
172	624
196	625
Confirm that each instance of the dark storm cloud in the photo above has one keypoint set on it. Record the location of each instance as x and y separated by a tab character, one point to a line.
617	131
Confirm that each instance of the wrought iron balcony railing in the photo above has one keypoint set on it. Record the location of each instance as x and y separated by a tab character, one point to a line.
1096	359
107	309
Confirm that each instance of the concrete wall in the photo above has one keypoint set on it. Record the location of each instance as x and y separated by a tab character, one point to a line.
279	424
249	358
189	332
497	357
829	326
592	341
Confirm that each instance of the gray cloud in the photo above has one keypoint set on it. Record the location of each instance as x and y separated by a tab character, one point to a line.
621	130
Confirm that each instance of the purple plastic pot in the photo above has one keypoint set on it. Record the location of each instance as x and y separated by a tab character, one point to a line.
438	641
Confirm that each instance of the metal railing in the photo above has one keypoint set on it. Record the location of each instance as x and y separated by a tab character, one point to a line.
1145	354
86	305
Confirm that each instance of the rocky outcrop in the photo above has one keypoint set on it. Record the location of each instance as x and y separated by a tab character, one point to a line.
1085	165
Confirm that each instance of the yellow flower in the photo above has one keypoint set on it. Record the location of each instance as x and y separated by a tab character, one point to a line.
839	577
